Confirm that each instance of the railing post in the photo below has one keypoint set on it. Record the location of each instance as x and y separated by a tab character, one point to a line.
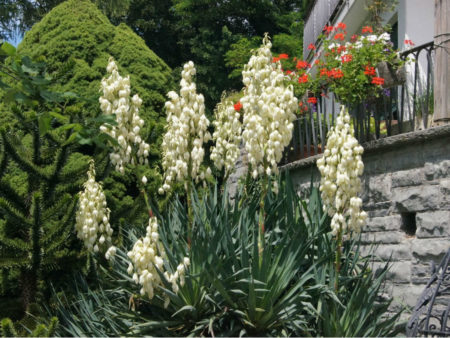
442	65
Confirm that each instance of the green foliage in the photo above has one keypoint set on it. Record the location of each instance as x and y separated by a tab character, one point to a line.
230	288
76	40
203	31
41	330
37	216
17	17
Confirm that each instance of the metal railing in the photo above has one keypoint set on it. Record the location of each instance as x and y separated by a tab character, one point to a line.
403	108
430	317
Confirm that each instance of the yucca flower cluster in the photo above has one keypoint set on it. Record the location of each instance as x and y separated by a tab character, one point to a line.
340	167
147	257
269	107
92	217
186	132
116	100
227	135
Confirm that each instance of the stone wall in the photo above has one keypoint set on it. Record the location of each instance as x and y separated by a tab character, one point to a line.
406	192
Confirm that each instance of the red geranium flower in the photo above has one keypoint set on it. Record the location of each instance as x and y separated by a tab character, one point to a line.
312	100
341	49
367	29
409	42
288	72
335	73
378	80
323	72
328	29
369	70
275	59
354	37
283	56
339	36
311	46
302	64
303	78
238	106
347	58
341	25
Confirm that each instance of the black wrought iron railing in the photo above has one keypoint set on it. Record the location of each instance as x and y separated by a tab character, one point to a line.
430	317
401	108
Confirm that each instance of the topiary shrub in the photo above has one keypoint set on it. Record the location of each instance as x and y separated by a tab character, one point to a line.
76	40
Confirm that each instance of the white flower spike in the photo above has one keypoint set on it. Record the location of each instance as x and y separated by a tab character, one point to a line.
340	168
186	132
269	106
116	100
147	257
227	135
92	217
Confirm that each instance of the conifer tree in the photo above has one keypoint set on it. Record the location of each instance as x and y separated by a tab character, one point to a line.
36	216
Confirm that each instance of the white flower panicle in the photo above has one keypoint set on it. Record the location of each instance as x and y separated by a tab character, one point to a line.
186	132
116	100
147	257
269	107
92	217
227	136
340	168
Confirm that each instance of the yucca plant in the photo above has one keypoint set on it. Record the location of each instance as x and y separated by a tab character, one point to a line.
230	289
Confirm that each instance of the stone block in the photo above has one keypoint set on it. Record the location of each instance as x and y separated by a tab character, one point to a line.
399	272
380	188
420	273
433	224
387	237
425	197
427	250
407	294
444	169
395	252
430	170
393	222
406	178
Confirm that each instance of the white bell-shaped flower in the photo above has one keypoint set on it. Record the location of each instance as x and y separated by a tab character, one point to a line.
269	105
186	132
341	167
116	100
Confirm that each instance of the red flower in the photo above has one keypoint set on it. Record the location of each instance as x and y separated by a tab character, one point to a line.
378	80
354	37
316	62
238	106
367	29
323	72
303	78
409	42
369	70
339	36
302	64
341	25
283	56
335	73
341	49
311	46
328	29
275	59
288	72
347	58
312	100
